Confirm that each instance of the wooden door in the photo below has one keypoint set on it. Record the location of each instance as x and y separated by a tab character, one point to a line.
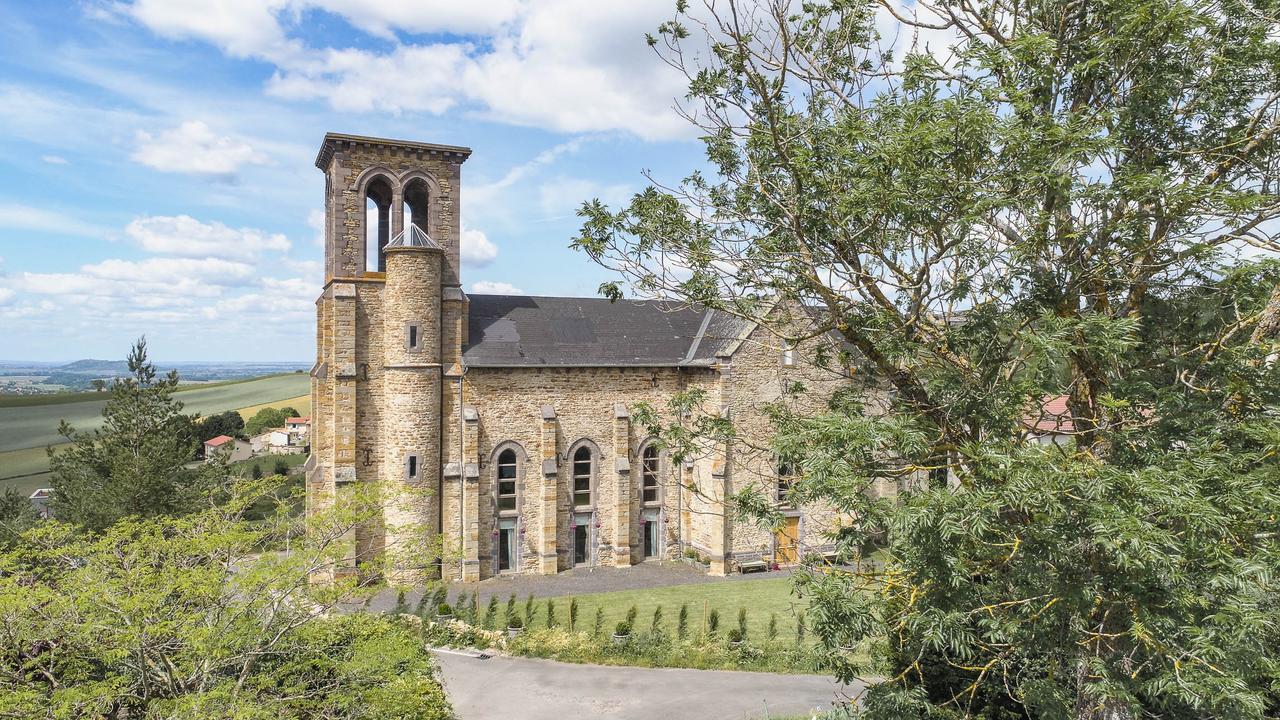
787	542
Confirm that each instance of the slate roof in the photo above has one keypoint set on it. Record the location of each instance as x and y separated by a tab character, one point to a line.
523	330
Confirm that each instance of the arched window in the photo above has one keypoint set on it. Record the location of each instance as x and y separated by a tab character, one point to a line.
377	223
649	475
417	199
787	473
583	471
508	475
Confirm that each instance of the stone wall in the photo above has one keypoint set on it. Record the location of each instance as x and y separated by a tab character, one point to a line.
585	403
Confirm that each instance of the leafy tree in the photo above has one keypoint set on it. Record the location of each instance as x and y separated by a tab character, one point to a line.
226	423
268	418
1046	199
98	384
280	468
136	464
16	516
186	617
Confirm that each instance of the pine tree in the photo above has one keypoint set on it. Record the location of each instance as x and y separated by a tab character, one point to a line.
136	464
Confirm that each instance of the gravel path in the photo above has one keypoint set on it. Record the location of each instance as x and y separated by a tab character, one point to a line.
580	581
532	689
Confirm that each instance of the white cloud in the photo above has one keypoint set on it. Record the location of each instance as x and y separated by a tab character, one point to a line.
242	28
475	248
194	148
184	236
6	295
45	220
379	17
315	221
54	159
563	65
489	287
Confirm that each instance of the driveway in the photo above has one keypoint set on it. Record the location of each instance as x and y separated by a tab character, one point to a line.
531	689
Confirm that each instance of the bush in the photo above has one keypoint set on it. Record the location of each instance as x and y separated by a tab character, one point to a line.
736	635
773	626
551	613
528	611
491	612
281	468
682	622
511	606
444	610
713	622
402	606
623	628
573	613
515	623
598	626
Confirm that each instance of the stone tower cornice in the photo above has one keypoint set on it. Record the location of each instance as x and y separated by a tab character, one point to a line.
333	141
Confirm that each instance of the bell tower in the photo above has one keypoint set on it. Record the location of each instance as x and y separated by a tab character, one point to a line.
389	334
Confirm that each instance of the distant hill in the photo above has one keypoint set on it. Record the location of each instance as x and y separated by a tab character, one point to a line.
104	367
79	375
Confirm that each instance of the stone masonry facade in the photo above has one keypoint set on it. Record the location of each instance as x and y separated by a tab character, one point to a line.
399	397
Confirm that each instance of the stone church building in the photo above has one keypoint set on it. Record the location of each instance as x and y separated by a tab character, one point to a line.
512	413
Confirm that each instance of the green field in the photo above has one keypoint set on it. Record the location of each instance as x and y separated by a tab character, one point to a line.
36	424
25	429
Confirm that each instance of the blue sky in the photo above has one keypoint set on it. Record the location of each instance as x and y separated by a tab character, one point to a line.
157	176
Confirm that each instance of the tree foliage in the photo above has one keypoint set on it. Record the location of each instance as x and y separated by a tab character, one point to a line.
137	463
188	617
226	423
981	207
268	418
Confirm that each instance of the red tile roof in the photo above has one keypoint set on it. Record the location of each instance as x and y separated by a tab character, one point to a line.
220	440
1054	416
298	420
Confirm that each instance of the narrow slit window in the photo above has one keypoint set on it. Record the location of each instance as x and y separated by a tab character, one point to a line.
412	337
411	467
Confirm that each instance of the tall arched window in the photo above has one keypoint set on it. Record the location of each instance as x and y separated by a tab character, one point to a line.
377	223
649	475
787	474
508	475
583	465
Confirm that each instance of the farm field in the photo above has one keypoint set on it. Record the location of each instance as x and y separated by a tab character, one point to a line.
36	425
302	404
25	430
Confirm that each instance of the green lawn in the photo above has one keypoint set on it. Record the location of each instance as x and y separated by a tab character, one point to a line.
759	597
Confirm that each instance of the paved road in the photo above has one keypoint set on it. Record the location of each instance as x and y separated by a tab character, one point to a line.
530	689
